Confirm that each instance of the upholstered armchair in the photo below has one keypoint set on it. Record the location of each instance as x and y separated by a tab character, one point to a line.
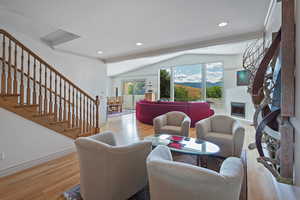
108	171
177	180
224	131
173	123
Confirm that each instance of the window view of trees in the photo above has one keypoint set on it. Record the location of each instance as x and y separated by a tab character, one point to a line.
165	83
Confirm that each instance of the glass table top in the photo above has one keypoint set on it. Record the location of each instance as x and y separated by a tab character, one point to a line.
184	144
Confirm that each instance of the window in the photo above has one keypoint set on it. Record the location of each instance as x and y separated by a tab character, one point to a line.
188	83
196	82
165	84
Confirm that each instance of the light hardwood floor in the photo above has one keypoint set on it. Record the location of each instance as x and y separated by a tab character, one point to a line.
48	181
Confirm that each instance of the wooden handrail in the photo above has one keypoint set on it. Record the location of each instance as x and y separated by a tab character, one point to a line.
44	62
38	82
60	99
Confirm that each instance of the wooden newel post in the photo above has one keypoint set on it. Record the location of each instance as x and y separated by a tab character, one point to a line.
97	103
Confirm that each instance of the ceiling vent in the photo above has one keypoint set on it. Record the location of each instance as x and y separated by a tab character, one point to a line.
59	37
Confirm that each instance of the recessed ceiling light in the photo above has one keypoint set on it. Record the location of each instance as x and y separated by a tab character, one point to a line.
99	52
138	44
222	24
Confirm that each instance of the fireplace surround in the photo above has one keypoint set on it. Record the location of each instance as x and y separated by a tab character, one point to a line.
238	109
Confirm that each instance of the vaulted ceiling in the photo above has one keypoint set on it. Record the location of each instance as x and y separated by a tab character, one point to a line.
115	26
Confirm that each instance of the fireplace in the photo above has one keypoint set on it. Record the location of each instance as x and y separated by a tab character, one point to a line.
238	109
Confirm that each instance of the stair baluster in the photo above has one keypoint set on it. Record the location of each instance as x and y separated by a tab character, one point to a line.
15	90
77	113
40	91
28	80
97	114
22	79
55	98
80	116
69	109
45	94
60	101
50	93
84	120
73	108
65	102
34	82
3	77
9	86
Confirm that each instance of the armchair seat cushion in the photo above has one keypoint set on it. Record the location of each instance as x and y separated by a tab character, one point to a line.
224	141
172	130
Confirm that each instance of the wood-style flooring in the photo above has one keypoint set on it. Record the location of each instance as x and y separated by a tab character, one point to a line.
49	180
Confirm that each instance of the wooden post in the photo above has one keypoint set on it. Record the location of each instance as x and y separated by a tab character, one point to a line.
97	103
287	89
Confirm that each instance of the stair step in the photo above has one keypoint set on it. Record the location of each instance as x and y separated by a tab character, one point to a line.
44	115
60	122
9	95
27	106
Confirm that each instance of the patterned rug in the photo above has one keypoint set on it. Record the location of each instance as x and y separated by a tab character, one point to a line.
212	163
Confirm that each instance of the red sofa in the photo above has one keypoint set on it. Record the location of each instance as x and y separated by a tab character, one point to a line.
146	111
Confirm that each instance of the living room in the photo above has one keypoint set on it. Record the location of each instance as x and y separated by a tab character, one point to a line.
148	100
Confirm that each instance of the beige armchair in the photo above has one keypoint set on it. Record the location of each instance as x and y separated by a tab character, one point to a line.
177	180
224	131
173	123
108	171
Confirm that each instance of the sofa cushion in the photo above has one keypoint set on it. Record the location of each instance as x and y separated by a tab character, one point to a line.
172	130
175	118
221	124
224	141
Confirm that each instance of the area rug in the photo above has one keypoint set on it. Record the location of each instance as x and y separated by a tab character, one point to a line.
213	163
118	114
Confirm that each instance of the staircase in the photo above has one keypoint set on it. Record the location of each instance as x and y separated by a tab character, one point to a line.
33	89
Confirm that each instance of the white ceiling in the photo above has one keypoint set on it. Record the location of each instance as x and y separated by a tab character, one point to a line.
114	26
129	65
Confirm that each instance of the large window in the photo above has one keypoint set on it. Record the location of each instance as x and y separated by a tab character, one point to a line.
196	82
188	83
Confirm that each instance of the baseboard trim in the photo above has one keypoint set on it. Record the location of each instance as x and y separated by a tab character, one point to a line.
28	164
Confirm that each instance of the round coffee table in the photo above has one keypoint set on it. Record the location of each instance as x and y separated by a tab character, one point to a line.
185	145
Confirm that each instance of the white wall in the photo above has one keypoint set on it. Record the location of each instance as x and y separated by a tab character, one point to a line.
232	63
25	143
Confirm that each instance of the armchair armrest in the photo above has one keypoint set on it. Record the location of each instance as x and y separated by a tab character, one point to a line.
159	122
185	126
106	137
202	128
238	133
